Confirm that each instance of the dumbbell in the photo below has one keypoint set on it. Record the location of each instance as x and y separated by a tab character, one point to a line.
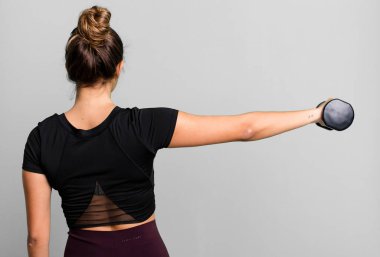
337	115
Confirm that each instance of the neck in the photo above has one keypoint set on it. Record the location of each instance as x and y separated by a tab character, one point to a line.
95	96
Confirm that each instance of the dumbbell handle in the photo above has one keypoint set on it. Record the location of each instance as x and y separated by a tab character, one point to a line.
321	118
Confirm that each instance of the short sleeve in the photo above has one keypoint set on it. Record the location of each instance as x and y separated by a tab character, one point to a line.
155	126
32	152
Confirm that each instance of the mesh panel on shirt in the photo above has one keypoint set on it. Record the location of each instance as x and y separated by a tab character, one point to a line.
102	210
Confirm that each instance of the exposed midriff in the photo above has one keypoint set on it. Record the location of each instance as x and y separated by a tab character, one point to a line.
120	226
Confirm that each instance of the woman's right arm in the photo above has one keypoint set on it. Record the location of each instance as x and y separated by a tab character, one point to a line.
198	130
37	192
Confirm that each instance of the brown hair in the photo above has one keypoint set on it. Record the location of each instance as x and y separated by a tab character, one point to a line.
94	49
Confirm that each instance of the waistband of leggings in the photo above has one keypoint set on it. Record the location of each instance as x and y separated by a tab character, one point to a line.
144	228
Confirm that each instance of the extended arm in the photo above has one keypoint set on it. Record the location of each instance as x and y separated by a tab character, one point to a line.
197	130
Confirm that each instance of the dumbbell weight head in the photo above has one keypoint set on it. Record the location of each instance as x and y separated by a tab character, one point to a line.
337	115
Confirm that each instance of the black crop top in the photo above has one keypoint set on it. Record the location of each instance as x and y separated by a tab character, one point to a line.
103	175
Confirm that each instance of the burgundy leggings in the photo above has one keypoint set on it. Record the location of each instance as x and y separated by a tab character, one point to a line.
140	241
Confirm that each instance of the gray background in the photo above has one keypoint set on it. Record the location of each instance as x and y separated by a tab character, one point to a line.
307	192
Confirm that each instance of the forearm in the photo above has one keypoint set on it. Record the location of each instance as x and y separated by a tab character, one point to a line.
37	248
263	124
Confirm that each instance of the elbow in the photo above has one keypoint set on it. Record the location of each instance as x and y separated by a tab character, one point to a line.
248	132
34	241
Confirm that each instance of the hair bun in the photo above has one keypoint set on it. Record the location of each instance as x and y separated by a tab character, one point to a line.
94	24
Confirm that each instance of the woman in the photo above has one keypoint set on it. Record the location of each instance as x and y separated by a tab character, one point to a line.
99	156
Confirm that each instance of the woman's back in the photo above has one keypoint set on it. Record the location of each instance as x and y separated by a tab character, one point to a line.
104	174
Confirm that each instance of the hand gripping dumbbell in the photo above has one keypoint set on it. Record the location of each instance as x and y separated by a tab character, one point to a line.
337	115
